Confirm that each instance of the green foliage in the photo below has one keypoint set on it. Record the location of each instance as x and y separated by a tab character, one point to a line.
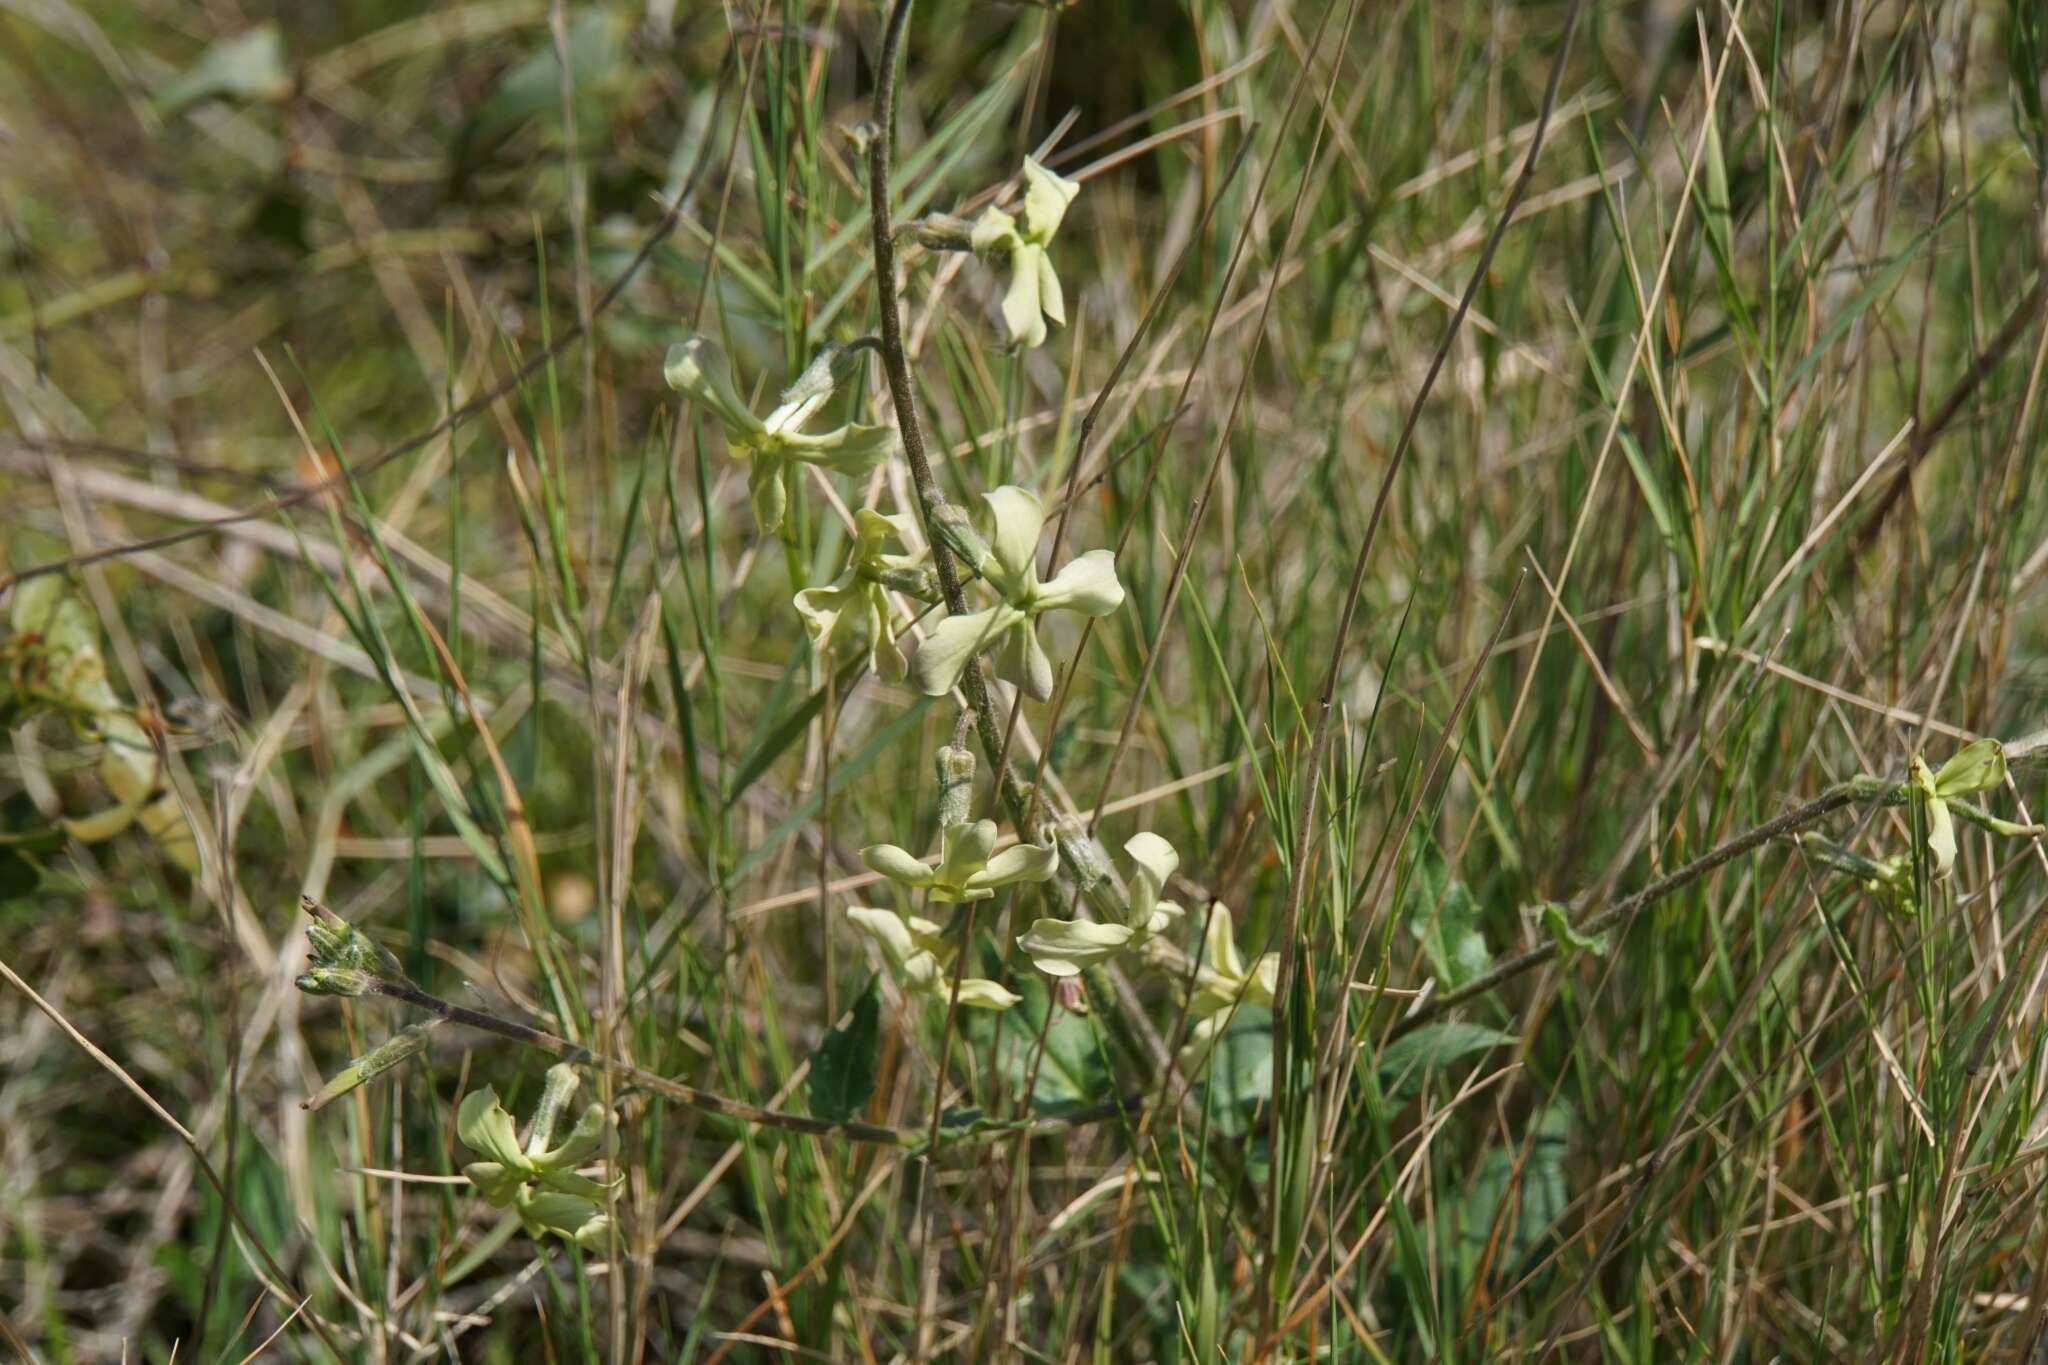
843	1067
1410	1060
1444	918
1066	1070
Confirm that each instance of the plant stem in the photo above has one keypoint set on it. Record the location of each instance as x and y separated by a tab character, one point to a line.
932	506
916	1140
1856	789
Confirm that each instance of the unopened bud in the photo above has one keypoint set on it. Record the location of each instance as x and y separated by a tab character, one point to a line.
832	366
372	1064
920	583
556	1091
950	525
956	785
862	135
335	981
1085	859
944	232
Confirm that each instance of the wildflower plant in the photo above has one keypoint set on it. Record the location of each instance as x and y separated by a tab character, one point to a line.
985	571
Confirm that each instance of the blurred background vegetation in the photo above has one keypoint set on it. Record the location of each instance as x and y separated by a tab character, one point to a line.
1737	446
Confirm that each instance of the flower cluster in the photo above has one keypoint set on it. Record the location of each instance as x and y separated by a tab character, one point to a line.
539	1180
968	869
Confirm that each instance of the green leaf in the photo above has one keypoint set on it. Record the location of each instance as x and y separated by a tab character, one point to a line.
1880	284
1444	918
1240	1075
843	1067
1410	1059
19	874
1557	922
1072	1071
1525	1204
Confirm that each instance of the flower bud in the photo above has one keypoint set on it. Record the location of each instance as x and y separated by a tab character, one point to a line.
408	1042
956	785
335	981
944	232
950	524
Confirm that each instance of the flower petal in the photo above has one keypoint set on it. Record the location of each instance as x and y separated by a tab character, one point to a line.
1066	947
1019	863
1977	766
1046	196
978	993
568	1182
872	532
822	610
852	450
952	645
766	492
583	1143
898	865
1087	585
994	230
886	928
1024	661
884	657
485	1128
1264	980
1156	861
1052	300
1022	313
1158	922
697	369
963	851
550	1211
1941	837
1202	1036
1015	519
494	1181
